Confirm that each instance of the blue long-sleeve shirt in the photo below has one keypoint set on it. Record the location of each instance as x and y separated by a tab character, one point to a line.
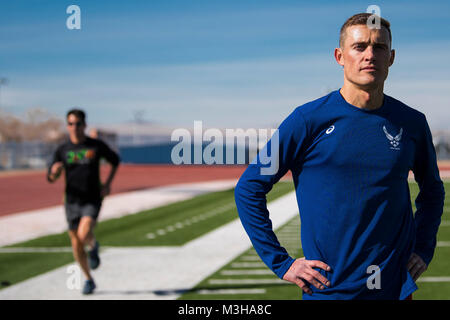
350	168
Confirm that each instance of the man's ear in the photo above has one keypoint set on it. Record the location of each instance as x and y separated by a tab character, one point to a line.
339	56
391	61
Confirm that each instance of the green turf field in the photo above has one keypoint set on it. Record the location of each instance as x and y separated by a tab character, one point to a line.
171	225
246	277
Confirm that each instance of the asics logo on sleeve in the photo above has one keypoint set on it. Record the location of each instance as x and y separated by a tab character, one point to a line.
330	130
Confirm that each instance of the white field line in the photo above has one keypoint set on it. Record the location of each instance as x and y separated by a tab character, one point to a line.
434	279
34	250
443	244
247	264
445	223
289	240
246	272
247	281
250	258
231	291
190	221
251	253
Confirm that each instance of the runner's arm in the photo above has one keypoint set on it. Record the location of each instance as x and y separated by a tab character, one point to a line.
113	158
56	166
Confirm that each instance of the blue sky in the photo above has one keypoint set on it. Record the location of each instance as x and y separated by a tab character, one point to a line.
227	63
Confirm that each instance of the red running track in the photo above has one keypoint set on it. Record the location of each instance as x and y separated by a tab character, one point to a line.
29	190
23	191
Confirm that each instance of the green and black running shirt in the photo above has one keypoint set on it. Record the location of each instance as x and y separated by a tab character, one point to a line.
82	168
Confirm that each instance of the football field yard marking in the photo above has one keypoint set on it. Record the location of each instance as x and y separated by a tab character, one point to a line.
248	265
251	258
246	272
249	270
247	281
434	279
231	291
191	221
445	223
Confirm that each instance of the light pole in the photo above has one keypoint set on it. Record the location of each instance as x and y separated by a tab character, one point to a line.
138	116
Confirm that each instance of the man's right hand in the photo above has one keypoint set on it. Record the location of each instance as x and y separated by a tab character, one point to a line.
302	270
55	170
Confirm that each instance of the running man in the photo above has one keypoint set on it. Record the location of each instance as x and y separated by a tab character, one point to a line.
80	158
350	153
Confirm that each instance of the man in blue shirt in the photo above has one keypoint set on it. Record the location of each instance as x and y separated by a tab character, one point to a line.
350	153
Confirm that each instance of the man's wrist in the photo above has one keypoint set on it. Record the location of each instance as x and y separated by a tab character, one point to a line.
52	177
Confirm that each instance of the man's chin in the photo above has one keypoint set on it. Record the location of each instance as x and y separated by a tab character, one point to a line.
372	83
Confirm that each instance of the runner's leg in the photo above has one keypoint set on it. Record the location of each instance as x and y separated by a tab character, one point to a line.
90	238
73	215
79	253
85	231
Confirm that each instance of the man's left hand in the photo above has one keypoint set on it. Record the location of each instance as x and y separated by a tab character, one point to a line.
416	266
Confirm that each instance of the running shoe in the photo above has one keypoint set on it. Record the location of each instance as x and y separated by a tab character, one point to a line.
94	259
89	287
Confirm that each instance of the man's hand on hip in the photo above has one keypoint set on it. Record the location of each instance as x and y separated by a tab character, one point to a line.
416	266
302	270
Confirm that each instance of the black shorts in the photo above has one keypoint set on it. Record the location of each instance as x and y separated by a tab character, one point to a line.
75	211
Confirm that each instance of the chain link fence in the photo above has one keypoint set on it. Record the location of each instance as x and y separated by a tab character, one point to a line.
25	155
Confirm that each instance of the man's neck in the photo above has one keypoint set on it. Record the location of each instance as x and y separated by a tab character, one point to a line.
368	99
77	140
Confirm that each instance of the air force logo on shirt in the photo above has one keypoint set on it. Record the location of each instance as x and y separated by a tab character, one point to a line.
395	141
